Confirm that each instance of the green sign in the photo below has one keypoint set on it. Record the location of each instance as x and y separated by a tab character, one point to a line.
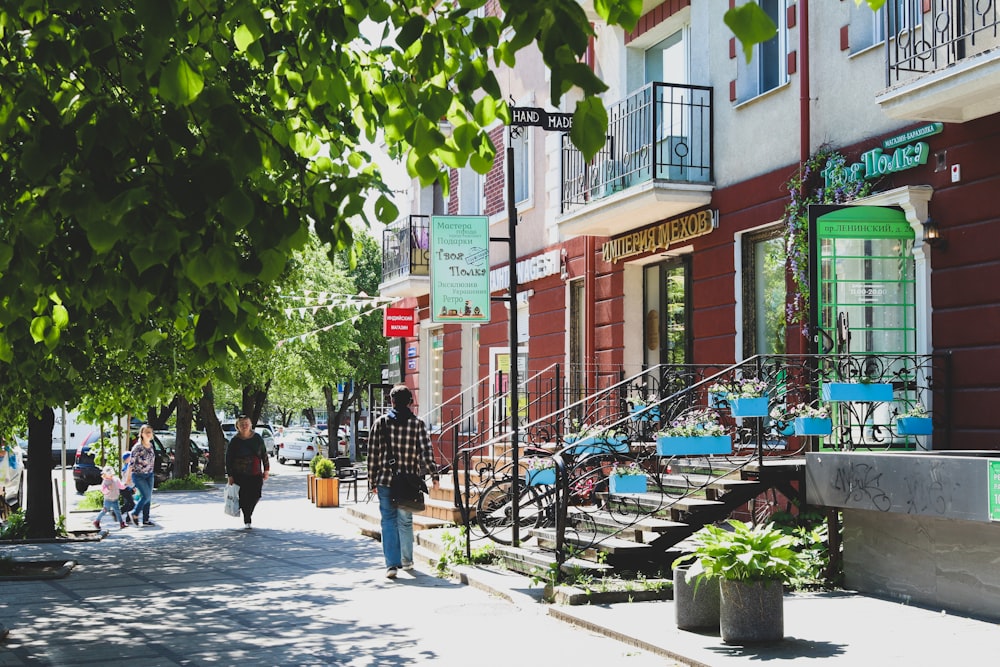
897	153
994	488
864	222
460	268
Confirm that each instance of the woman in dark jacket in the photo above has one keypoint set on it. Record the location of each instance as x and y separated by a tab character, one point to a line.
247	465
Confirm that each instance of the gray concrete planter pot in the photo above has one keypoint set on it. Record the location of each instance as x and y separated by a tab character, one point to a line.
751	612
696	603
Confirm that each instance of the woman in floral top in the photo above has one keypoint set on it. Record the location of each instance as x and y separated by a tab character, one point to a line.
140	474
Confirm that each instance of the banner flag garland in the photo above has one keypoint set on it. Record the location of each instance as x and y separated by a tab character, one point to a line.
329	301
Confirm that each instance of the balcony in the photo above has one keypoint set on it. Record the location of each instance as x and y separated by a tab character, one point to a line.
947	68
656	164
406	257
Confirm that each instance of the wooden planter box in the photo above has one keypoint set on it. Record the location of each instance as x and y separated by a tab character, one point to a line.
813	426
914	426
627	483
541	477
310	487
327	492
674	445
748	407
872	392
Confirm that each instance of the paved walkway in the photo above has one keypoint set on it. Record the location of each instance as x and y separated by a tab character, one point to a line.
306	588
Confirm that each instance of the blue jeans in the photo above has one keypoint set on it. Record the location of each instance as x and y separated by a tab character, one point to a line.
144	484
110	506
397	530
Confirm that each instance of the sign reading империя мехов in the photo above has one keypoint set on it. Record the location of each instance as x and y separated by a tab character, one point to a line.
460	268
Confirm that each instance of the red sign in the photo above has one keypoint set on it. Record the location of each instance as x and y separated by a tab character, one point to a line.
398	322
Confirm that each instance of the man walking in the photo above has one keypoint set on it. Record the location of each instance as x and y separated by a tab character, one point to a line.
398	444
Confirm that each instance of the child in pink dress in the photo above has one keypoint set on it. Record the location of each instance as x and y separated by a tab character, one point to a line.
111	487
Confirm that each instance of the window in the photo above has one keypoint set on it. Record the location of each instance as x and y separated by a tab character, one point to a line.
766	70
764	293
470	191
868	27
435	379
522	164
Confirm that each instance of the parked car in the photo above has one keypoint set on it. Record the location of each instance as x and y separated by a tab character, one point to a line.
301	449
269	442
86	474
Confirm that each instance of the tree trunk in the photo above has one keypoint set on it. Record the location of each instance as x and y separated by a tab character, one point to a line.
158	418
213	429
38	500
253	401
331	438
182	443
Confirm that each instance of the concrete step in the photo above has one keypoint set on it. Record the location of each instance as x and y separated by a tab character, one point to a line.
629	527
591	543
533	561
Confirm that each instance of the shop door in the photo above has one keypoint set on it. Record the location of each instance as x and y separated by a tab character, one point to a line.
866	305
667	308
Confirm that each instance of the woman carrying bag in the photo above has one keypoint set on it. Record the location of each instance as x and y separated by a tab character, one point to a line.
248	466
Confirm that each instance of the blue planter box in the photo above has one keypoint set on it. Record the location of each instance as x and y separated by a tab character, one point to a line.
652	414
541	477
674	445
627	483
597	445
915	426
748	407
813	426
716	398
857	391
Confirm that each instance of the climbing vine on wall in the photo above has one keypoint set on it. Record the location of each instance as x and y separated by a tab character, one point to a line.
809	186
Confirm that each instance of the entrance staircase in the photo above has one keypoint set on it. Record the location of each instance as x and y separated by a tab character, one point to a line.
577	523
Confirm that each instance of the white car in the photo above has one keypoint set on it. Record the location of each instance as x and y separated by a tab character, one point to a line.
270	445
301	448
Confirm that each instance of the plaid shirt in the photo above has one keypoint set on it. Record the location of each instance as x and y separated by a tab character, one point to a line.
399	435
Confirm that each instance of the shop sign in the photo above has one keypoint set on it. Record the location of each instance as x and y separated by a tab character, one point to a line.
394	373
897	153
994	489
659	237
533	268
460	268
398	322
536	117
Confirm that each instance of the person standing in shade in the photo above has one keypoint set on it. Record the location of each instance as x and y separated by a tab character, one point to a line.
140	474
247	465
398	443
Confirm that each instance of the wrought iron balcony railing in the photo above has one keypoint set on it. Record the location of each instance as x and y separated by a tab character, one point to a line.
662	132
406	248
952	31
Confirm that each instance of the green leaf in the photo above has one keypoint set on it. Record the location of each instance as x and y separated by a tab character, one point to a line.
243	38
60	316
751	25
6	351
590	127
39	325
411	31
153	338
179	83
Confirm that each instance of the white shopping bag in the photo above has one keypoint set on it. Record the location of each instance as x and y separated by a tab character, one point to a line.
233	499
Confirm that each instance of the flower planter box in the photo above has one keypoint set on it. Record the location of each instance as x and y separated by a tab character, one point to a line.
914	426
327	492
597	445
627	483
674	445
717	399
871	392
310	484
813	426
541	477
748	407
640	413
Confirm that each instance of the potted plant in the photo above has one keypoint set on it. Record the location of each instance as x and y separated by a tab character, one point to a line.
587	439
868	389
751	565
641	410
695	432
914	421
311	477
540	471
748	398
627	478
808	419
327	485
717	394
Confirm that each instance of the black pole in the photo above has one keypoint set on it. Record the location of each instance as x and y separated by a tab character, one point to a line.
512	377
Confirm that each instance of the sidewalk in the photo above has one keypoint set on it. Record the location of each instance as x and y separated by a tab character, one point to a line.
305	587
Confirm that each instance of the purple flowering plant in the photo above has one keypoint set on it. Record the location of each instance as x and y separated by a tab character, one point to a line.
694	423
540	463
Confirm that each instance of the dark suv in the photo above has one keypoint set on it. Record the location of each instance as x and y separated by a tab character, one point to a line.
86	474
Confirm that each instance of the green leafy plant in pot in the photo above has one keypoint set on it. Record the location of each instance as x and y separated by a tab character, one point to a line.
751	565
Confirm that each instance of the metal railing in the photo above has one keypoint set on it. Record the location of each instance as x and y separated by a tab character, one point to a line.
406	248
662	132
950	32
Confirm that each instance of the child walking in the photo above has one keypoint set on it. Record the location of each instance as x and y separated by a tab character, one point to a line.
111	487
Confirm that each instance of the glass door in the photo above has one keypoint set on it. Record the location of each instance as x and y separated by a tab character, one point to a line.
667	312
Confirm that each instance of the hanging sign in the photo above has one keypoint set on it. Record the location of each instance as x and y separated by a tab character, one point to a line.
535	117
398	322
897	153
460	268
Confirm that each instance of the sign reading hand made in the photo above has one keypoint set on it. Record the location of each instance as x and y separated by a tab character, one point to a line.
460	268
535	117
